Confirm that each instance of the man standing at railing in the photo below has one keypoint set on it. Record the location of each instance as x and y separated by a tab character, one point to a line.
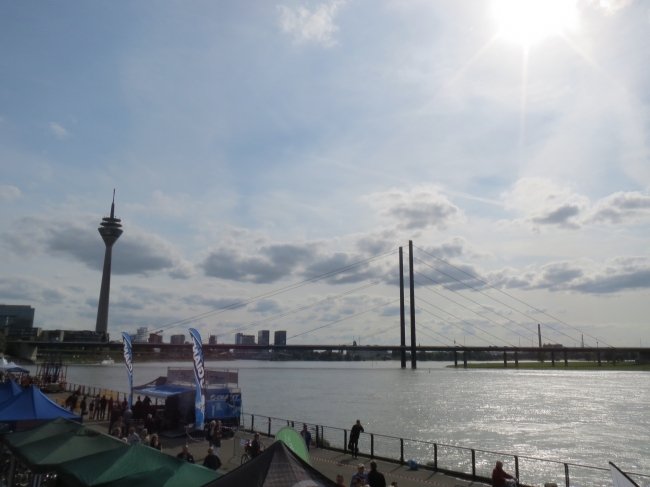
355	432
306	435
500	476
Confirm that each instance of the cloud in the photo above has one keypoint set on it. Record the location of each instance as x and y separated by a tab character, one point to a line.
9	193
59	131
581	276
311	26
136	252
266	306
30	289
418	209
274	262
621	208
546	204
613	6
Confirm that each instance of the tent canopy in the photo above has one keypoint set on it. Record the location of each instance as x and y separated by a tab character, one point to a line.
84	457
278	466
12	367
31	405
8	390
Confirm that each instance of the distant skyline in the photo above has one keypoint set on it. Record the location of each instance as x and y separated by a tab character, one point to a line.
254	145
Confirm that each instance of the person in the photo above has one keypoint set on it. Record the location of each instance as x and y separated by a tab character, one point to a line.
375	478
125	404
256	447
118	423
116	432
150	424
83	406
215	440
340	480
146	406
186	455
97	400
103	403
138	410
155	443
306	435
360	475
109	406
212	461
146	439
91	409
355	432
127	416
133	438
499	476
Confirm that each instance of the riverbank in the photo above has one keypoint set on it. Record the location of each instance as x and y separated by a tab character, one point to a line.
559	365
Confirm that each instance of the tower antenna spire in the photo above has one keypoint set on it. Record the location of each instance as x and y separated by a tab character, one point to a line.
113	205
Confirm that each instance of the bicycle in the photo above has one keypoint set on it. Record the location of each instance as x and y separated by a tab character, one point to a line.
246	457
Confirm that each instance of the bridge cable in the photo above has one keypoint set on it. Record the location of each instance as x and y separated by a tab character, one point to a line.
343	319
469	309
505	293
434	331
466	322
290	287
297	310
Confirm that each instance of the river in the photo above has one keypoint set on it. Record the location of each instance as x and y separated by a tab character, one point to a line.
586	417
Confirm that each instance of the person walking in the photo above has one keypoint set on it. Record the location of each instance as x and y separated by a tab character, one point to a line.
306	435
215	433
355	433
375	478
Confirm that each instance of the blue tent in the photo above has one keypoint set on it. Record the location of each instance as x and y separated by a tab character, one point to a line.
30	407
8	390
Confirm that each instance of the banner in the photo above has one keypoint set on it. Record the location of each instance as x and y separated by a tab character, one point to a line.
128	361
199	377
294	441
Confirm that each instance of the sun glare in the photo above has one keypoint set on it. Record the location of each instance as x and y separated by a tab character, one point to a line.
530	21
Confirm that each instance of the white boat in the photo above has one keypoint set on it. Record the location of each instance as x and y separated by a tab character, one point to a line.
107	361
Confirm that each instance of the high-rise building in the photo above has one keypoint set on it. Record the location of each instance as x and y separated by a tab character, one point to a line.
212	340
263	337
110	230
155	338
241	339
16	315
177	340
141	335
280	338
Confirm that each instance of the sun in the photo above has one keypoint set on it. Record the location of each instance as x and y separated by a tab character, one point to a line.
530	21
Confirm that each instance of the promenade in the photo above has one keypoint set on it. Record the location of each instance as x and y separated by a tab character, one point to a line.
330	463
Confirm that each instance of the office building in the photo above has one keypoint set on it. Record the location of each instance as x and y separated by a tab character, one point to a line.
177	340
155	338
263	337
241	339
16	315
212	340
280	338
141	335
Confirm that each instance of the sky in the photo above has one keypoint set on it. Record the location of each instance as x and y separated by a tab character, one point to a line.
257	145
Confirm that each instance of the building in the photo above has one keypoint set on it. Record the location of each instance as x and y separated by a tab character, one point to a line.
212	340
280	338
141	335
263	337
83	336
241	339
155	338
16	315
177	340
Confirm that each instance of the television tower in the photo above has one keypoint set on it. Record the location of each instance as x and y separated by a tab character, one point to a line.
110	230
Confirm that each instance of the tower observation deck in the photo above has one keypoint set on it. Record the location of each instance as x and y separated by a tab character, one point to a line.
110	229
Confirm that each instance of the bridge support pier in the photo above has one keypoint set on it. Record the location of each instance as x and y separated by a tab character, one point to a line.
465	359
455	359
566	359
599	362
505	359
414	363
516	359
552	358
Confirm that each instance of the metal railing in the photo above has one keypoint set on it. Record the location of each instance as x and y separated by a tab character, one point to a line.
464	462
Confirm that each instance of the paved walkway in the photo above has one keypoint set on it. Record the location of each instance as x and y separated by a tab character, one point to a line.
330	463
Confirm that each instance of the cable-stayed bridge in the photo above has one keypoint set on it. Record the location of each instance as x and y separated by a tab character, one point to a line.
490	316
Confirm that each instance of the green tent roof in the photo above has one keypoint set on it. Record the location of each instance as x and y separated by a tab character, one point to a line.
84	457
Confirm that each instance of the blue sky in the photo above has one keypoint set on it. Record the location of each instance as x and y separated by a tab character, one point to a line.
256	144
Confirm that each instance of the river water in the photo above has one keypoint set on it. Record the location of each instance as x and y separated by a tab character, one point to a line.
585	417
